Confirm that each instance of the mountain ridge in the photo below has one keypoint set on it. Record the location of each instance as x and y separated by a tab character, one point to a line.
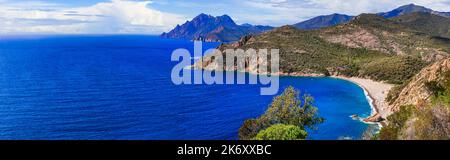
323	21
411	8
223	29
426	22
213	29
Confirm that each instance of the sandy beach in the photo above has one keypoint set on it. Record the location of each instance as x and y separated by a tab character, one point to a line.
376	92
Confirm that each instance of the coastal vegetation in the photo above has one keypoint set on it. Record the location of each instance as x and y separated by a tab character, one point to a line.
394	70
426	22
412	122
282	132
424	120
394	92
287	117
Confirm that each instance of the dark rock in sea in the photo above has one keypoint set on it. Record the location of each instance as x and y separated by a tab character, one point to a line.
375	118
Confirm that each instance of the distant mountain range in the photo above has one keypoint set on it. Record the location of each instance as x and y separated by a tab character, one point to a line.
224	29
412	8
323	21
214	29
335	19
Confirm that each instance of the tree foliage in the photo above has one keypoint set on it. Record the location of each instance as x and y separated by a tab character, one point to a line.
282	132
395	70
287	108
396	124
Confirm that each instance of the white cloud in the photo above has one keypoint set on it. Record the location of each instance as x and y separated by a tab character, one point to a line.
139	16
116	16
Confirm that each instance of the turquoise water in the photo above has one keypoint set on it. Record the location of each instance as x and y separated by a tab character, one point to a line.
119	87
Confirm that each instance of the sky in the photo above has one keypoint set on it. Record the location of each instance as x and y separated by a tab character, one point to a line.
157	16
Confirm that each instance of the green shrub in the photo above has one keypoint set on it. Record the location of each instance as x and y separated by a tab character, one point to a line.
441	89
249	129
433	123
396	123
434	88
282	132
396	70
395	92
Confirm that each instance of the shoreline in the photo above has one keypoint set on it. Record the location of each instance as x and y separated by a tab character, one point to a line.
376	93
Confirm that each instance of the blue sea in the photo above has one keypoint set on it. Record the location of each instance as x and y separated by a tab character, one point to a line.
95	87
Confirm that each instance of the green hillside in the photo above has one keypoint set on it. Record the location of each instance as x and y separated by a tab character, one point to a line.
426	23
369	46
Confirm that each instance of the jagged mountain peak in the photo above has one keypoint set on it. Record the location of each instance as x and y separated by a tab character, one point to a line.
206	18
209	28
203	15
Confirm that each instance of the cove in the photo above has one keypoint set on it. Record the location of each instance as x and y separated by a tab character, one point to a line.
119	87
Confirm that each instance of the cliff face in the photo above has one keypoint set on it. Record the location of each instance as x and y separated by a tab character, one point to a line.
251	62
422	109
416	92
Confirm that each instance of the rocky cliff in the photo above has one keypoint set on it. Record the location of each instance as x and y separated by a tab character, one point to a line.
422	109
416	91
